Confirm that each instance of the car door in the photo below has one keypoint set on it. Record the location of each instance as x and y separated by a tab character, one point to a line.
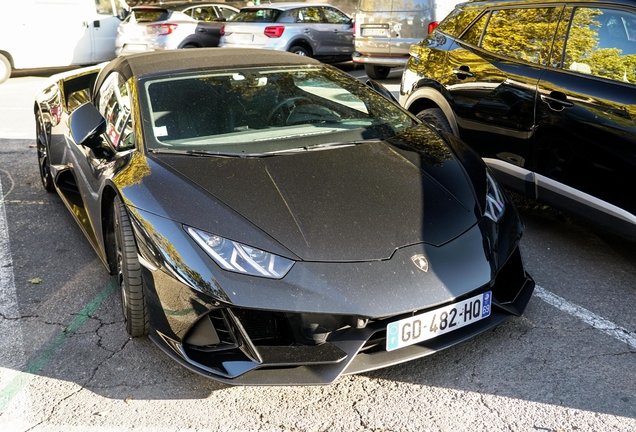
491	79
93	165
338	31
586	112
309	26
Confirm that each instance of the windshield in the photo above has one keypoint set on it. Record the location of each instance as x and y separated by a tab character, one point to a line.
256	111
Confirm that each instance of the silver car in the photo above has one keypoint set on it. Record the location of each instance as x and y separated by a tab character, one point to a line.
173	25
315	30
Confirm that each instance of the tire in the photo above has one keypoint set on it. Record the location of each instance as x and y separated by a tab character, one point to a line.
297	49
128	271
5	68
189	46
43	154
377	72
436	118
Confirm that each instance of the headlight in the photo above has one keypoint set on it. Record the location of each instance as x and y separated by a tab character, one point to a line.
495	202
239	258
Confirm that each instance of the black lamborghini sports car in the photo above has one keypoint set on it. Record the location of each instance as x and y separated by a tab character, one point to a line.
272	220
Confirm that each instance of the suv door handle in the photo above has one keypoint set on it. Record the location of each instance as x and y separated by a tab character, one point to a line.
465	71
557	103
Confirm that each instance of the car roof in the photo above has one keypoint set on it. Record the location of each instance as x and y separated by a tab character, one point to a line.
179	5
174	61
285	6
528	2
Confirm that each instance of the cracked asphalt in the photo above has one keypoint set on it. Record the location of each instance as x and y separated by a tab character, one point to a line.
66	363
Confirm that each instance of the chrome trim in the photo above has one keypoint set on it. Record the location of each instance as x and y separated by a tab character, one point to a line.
146	264
545	183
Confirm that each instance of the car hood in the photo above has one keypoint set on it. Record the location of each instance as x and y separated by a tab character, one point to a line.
355	203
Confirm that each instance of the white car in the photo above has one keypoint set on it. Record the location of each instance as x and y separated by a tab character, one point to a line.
312	29
172	25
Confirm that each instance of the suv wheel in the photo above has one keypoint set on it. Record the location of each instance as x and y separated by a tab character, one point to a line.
436	118
297	49
377	72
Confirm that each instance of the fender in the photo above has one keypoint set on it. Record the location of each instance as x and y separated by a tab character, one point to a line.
437	98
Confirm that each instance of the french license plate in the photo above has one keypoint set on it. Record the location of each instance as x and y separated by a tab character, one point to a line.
373	32
428	325
244	37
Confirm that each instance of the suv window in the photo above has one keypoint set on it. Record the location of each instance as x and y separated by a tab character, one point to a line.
203	13
256	15
309	15
522	34
455	23
227	13
395	5
602	42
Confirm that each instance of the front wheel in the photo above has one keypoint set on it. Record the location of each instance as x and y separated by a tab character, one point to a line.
129	276
5	68
377	72
43	155
436	118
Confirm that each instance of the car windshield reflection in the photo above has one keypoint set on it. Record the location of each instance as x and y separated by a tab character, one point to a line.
266	110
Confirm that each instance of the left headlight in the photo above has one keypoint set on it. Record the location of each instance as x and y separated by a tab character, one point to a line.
240	258
495	201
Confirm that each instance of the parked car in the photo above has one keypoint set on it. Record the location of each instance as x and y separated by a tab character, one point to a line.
85	32
545	91
385	30
272	220
172	25
314	30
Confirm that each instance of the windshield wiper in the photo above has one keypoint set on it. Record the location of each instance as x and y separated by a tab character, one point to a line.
259	155
201	153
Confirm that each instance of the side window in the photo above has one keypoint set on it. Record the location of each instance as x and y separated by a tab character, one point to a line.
602	42
522	34
456	21
104	7
204	13
310	15
334	16
473	34
113	102
226	13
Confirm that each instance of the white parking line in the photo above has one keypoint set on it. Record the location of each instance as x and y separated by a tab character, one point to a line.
11	344
596	321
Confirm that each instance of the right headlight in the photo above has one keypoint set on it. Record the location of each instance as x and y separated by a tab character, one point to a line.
495	201
240	258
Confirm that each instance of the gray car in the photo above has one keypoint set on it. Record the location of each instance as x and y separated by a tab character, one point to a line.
315	30
172	25
386	29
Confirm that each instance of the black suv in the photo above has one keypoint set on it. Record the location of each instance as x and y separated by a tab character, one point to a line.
545	92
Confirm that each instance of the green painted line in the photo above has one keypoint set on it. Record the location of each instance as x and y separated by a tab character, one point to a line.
43	356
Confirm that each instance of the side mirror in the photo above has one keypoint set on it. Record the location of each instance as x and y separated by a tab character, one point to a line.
122	14
86	123
382	90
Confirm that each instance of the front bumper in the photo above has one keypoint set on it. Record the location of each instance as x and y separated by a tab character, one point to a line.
322	320
246	359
